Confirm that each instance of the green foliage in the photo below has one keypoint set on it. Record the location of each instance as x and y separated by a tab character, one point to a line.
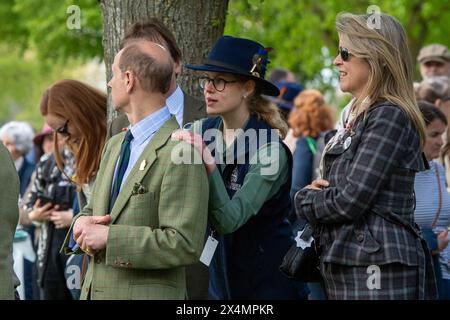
38	48
23	81
304	36
41	25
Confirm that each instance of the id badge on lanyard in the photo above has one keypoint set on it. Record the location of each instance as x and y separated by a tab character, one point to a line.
209	249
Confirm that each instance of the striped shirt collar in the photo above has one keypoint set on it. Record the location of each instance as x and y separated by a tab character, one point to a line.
175	104
149	125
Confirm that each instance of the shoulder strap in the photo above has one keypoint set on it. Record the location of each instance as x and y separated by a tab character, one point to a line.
396	219
312	145
210	123
438	212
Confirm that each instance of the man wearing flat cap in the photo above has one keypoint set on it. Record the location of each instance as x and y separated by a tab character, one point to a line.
434	60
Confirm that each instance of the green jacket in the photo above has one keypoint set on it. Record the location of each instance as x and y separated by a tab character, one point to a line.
154	234
9	216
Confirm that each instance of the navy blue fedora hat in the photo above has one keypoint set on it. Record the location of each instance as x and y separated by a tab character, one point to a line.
241	57
288	92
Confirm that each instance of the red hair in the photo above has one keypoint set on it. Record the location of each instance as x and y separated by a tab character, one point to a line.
86	108
310	115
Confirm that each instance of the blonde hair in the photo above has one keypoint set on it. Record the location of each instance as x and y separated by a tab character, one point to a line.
386	51
264	109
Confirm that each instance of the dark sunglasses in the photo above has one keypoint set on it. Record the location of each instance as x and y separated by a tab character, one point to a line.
345	55
63	130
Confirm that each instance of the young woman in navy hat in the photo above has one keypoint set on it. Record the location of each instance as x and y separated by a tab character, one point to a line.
249	170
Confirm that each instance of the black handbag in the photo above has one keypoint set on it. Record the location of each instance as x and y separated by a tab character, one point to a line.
302	264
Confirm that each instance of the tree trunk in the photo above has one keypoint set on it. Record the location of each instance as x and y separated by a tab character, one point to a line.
196	25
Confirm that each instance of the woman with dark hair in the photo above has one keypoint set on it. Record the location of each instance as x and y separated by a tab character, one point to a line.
432	212
362	209
249	168
48	206
436	90
43	143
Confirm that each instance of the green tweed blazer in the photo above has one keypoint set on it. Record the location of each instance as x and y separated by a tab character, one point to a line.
153	234
9	216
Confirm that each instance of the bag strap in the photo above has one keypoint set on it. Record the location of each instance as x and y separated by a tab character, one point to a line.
395	219
84	266
438	212
400	221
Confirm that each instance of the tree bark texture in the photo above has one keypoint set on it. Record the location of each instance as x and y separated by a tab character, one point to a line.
196	25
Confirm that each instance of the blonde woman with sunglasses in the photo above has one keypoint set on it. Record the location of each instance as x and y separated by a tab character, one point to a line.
363	207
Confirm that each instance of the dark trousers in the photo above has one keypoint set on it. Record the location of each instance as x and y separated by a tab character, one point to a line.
197	280
444	293
53	283
28	279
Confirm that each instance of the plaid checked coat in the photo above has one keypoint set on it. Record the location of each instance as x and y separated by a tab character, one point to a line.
9	215
153	235
366	216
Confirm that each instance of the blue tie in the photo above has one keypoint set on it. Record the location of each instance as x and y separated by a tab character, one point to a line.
124	158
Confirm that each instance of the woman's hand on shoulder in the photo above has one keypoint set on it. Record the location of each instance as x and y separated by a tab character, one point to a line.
196	141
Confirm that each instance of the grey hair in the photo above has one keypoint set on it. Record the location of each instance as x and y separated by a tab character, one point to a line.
440	85
21	133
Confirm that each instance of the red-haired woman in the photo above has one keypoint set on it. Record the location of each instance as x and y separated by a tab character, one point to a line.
77	113
309	118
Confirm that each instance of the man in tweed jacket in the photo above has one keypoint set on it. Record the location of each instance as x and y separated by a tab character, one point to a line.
157	224
9	215
183	106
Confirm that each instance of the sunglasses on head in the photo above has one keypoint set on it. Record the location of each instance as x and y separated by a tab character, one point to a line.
345	55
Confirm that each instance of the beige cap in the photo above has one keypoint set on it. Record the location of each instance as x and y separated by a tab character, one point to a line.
434	52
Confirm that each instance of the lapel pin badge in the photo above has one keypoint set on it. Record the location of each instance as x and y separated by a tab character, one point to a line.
143	165
347	143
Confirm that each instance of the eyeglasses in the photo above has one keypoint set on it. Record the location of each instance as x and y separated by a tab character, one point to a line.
218	83
345	55
63	130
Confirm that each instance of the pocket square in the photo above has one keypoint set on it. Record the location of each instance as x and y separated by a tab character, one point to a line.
138	189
